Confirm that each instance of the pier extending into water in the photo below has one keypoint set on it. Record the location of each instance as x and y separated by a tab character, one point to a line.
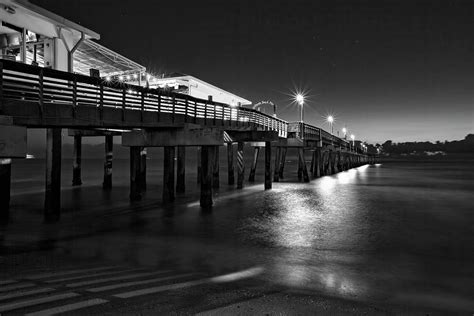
35	97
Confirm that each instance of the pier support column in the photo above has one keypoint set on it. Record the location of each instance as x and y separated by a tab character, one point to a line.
181	170
240	165
215	168
5	184
300	167
276	171
268	165
199	164
253	168
317	163
302	163
168	174
109	155
52	203
135	159
282	162
143	153
311	168
206	177
336	162
230	164
76	161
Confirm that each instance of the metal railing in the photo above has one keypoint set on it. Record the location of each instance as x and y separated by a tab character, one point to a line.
45	86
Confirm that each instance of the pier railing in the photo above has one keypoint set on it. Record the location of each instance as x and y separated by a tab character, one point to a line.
309	132
44	87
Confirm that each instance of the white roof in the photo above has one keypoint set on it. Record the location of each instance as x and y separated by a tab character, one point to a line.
187	79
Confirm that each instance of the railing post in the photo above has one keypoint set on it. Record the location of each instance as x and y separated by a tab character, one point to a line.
223	114
173	103
205	113
159	107
74	97
101	100
124	96
41	89
185	109
142	105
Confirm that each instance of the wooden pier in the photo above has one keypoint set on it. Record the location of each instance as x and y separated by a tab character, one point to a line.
34	97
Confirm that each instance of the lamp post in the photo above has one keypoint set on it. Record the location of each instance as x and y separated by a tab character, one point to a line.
353	139
300	101
344	131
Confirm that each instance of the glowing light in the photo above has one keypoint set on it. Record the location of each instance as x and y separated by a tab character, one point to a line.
344	130
352	136
299	98
135	76
121	78
330	119
128	77
130	91
148	77
107	78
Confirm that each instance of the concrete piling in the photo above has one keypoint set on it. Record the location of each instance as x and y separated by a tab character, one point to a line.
206	177
253	168
302	165
215	168
76	162
168	174
181	170
135	159
282	162
276	169
109	154
230	164
5	183
268	165
240	165
143	154
52	203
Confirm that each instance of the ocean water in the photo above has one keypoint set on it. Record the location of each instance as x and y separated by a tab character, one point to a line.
396	232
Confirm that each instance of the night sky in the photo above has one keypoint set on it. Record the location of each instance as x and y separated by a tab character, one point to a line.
399	70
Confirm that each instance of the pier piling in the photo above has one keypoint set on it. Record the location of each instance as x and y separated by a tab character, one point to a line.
135	160
240	165
282	162
168	174
52	203
181	170
253	168
215	168
142	178
5	183
109	154
268	165
206	177
230	164
76	162
276	171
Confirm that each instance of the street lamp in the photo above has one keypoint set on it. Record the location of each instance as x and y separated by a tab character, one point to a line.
330	119
344	131
300	101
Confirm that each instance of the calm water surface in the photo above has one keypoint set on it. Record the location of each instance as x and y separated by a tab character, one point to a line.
396	232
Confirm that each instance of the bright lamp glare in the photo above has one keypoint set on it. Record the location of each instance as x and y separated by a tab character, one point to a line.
121	78
135	76
344	130
352	136
107	78
330	119
300	98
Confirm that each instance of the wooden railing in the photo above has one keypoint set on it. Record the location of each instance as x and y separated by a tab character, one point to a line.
47	86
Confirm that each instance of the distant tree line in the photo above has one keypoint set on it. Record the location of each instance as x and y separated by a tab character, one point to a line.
458	146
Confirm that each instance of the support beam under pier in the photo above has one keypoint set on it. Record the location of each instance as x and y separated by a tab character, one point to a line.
215	168
276	171
142	178
302	165
282	162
